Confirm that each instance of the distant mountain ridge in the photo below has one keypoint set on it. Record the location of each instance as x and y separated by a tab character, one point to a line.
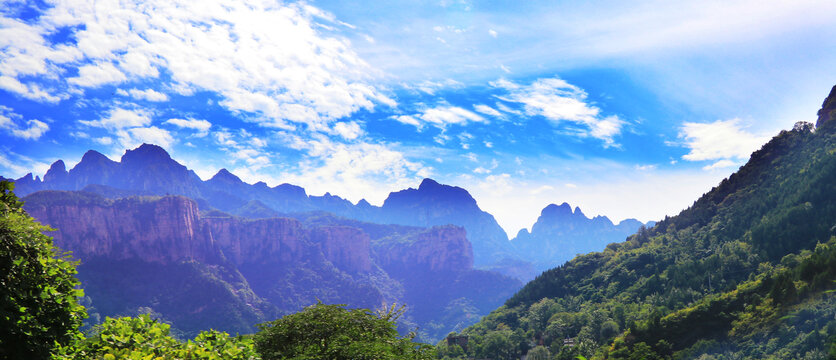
560	233
150	170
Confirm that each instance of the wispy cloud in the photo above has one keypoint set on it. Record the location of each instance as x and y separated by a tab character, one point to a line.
441	117
15	124
559	101
199	125
308	78
147	94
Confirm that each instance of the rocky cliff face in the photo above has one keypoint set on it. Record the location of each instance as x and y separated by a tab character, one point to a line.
165	230
439	249
827	113
346	247
259	241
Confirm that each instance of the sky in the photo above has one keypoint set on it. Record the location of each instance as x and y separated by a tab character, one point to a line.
624	110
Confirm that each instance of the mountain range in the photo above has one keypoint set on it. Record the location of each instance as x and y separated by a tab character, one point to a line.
152	236
150	170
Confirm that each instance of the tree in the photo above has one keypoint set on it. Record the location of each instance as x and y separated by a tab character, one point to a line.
38	290
325	331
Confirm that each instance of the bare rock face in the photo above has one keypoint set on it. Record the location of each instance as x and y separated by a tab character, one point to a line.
441	248
166	229
828	109
259	241
346	247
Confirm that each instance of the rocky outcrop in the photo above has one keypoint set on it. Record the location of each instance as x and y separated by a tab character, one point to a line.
439	249
827	113
166	229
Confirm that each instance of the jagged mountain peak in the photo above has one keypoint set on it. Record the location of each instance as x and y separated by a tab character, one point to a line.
57	171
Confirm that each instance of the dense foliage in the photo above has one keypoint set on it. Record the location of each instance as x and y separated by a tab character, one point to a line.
742	273
140	338
38	290
333	332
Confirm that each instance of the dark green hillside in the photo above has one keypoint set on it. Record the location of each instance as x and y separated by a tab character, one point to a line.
732	274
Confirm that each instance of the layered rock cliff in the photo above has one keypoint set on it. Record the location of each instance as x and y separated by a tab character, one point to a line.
165	230
346	247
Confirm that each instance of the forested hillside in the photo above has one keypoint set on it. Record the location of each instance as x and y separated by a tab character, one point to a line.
746	272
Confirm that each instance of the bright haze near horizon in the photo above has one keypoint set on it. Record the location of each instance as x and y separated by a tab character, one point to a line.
625	111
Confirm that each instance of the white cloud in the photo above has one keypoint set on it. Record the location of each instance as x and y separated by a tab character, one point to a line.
441	117
201	126
559	101
430	87
133	137
492	33
14	165
719	165
293	72
348	130
98	74
147	94
104	140
355	171
409	120
119	118
719	140
487	110
29	91
18	127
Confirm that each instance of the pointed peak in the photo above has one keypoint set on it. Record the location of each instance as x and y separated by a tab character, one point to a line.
363	203
225	175
57	166
56	171
578	211
428	183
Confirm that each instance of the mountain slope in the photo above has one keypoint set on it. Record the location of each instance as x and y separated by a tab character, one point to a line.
742	253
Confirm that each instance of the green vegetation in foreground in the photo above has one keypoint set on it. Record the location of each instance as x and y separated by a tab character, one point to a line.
745	272
38	289
41	317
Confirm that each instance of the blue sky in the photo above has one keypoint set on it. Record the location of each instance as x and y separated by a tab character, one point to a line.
625	111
